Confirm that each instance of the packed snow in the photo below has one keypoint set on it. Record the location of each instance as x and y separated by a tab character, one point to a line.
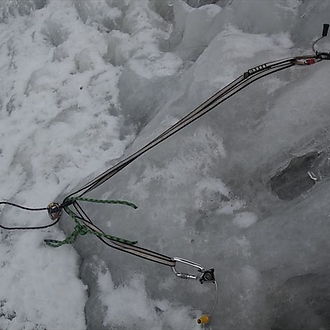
244	189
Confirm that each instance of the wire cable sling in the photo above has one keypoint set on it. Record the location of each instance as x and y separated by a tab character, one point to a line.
84	225
234	87
120	244
241	82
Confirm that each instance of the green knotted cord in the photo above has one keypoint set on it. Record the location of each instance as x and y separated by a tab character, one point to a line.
81	229
78	230
102	201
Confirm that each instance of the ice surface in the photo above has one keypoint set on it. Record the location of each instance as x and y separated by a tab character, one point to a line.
244	189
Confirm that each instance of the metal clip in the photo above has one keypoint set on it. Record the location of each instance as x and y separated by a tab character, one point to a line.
323	56
324	34
54	211
205	276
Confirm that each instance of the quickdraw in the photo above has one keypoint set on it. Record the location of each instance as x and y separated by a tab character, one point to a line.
84	224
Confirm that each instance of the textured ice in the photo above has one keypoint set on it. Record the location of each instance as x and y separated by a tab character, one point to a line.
244	189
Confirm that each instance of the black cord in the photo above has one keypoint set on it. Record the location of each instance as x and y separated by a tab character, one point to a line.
24	207
28	209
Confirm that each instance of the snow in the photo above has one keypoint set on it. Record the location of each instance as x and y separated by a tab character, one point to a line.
86	83
40	286
245	219
129	306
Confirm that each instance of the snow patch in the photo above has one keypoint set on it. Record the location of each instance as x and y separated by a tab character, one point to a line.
129	306
245	219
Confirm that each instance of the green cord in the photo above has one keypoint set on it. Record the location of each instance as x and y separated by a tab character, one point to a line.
81	229
102	201
78	230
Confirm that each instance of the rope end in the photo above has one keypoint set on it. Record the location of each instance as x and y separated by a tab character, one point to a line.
52	243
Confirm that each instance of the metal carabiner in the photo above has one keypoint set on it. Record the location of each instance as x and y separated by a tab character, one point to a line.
206	275
324	34
188	263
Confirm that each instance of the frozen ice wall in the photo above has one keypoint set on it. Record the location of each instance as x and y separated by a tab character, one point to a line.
214	193
243	190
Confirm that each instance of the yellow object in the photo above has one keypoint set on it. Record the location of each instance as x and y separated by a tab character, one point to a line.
204	319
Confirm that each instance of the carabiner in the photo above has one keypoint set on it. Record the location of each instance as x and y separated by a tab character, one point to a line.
324	34
189	263
206	275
